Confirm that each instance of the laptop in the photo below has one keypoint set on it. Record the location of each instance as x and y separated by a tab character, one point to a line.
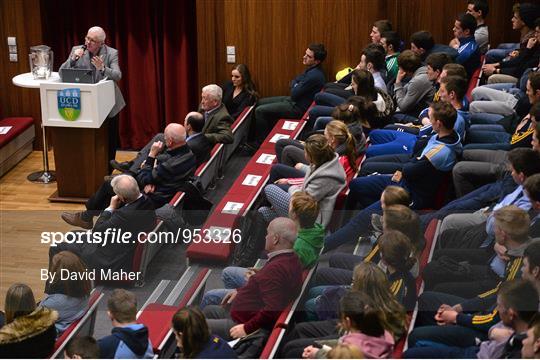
82	76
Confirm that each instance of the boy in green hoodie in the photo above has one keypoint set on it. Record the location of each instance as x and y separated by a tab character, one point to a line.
303	210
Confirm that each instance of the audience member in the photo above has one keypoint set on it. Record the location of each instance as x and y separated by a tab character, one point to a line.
29	331
129	211
419	173
479	9
483	269
422	44
193	336
517	303
530	348
379	27
345	351
324	179
361	320
69	297
523	18
82	347
258	304
161	176
468	52
128	339
304	211
240	92
392	46
369	279
414	95
303	89
395	217
199	145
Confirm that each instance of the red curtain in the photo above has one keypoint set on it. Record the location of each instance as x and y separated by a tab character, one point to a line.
156	43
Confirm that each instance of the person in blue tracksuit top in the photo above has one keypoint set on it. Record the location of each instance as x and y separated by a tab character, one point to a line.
468	51
419	174
128	339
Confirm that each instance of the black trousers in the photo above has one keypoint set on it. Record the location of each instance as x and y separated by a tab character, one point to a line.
114	139
305	334
427	329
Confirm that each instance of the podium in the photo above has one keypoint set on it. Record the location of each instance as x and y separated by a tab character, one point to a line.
75	115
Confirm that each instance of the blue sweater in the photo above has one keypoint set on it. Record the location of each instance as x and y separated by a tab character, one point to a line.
306	85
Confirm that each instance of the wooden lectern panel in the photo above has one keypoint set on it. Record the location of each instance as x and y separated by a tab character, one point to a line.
81	160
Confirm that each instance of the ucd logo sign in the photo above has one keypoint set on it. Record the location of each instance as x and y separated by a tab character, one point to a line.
69	103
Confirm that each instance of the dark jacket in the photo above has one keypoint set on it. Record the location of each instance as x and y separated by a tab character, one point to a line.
428	165
174	168
135	218
217	126
200	146
527	58
305	86
128	342
235	105
216	348
29	336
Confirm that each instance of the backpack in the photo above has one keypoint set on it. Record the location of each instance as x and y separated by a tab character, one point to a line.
253	229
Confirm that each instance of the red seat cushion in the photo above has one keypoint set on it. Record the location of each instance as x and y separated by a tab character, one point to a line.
157	318
19	124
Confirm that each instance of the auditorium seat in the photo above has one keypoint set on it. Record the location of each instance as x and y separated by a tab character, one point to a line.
82	327
16	144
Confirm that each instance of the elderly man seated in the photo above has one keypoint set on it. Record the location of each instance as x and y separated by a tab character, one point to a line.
268	291
160	177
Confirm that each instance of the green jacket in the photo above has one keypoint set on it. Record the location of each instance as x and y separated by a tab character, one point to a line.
308	244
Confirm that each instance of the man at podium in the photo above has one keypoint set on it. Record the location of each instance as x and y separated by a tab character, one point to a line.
103	60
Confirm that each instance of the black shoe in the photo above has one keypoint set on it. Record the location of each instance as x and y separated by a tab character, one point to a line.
121	166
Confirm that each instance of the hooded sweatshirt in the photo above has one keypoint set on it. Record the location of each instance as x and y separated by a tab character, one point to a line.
430	162
127	342
372	347
324	184
308	244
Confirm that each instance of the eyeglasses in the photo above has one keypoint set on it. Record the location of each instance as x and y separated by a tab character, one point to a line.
90	40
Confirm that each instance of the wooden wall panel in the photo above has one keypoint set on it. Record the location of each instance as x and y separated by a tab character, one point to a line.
270	36
22	19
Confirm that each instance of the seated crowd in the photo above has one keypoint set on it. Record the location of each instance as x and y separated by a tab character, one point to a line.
388	147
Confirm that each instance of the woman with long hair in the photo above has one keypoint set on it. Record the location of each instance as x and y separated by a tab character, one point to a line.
323	180
193	336
240	92
369	279
29	331
67	296
361	320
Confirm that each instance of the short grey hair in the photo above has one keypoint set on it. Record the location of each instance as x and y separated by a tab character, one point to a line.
286	229
214	91
99	30
126	187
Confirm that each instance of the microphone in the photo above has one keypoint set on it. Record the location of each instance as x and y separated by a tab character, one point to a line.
77	57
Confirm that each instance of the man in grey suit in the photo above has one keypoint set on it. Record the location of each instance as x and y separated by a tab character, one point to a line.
95	55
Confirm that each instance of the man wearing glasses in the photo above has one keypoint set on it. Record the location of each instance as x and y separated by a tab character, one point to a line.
95	55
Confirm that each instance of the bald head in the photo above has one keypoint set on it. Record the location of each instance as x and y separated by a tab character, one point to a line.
175	135
97	32
281	235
